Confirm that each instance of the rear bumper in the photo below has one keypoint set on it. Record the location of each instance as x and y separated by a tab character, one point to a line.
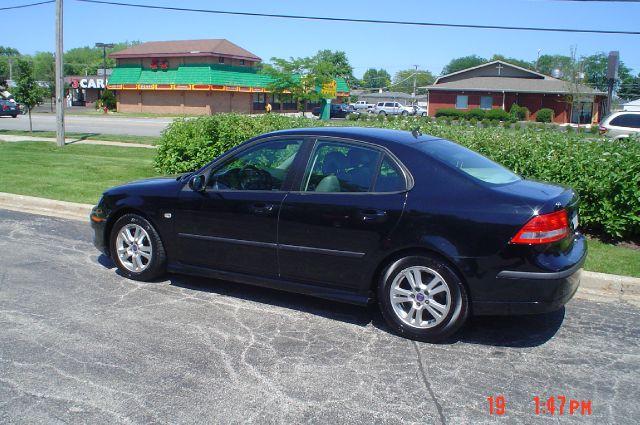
529	292
561	291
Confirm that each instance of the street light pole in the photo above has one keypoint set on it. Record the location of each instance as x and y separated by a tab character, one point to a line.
59	75
104	58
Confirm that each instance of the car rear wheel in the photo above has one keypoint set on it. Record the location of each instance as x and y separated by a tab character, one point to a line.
422	298
383	113
404	113
14	116
136	248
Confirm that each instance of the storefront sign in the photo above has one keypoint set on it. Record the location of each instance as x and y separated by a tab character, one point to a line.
328	90
88	83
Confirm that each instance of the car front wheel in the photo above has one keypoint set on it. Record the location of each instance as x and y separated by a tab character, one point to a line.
422	298
136	248
404	113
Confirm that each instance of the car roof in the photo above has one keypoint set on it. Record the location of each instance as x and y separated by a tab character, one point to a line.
384	137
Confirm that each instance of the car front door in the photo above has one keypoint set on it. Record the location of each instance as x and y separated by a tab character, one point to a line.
232	224
349	200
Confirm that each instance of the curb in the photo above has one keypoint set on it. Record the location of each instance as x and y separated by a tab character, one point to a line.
42	206
592	284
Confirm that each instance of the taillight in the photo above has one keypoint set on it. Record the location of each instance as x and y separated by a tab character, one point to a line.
602	130
544	228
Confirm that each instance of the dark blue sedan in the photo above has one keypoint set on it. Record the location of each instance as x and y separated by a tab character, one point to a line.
428	229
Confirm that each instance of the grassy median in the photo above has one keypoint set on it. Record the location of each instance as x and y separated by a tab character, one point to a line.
75	173
80	173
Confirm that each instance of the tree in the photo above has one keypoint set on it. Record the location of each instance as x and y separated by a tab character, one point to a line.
595	72
342	67
630	88
299	76
6	54
373	79
518	62
458	64
403	80
546	65
28	92
87	60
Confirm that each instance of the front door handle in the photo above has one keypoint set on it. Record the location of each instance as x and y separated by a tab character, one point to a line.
261	208
371	215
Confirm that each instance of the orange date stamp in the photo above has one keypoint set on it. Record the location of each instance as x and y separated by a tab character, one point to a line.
557	405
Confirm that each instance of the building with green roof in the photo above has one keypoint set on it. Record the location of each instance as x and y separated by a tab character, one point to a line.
195	77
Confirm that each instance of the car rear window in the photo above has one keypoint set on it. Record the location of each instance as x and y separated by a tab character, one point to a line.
469	162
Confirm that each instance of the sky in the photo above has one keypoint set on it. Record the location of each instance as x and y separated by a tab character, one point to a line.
391	47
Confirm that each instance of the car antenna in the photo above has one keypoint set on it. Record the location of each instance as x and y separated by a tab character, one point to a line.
416	132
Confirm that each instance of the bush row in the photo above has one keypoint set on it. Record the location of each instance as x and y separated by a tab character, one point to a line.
605	174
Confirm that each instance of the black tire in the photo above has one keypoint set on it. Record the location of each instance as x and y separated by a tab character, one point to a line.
451	321
14	116
404	113
154	267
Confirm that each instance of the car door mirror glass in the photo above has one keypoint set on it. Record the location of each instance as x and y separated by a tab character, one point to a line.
197	183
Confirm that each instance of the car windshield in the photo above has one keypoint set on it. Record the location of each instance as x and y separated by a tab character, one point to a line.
467	161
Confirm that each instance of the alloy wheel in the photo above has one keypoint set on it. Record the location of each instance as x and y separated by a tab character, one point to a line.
420	297
134	248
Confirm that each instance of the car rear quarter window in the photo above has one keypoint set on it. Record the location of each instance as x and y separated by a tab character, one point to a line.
626	120
467	161
390	178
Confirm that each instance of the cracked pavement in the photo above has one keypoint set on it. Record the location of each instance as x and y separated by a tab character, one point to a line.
81	344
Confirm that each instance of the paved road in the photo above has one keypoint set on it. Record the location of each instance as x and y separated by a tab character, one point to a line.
89	124
80	344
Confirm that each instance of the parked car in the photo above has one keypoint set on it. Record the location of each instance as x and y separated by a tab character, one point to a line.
620	125
9	108
362	104
338	110
391	108
429	229
418	111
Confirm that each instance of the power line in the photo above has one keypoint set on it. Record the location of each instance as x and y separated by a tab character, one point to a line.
362	21
22	6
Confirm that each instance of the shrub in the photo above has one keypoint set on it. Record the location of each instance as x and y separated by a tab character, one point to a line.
449	112
544	115
108	100
498	115
476	113
519	113
604	174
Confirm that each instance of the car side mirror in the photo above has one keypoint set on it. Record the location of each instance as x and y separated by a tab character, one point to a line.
197	183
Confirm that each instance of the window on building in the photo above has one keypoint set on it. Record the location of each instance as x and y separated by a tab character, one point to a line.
462	102
241	61
486	102
220	59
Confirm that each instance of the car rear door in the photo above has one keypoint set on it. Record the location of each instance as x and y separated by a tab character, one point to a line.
349	200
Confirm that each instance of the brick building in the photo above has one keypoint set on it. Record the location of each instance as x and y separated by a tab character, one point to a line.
198	77
499	84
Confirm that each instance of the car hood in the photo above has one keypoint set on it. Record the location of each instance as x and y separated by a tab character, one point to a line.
156	185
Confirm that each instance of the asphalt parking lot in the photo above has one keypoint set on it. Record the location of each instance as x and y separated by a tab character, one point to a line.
81	344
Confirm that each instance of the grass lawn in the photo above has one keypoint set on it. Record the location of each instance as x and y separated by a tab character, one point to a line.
614	259
80	173
147	140
75	173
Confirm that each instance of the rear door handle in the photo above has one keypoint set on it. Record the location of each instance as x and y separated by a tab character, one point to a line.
372	215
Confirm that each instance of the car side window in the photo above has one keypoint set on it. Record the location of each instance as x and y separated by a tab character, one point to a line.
390	178
626	120
262	167
341	167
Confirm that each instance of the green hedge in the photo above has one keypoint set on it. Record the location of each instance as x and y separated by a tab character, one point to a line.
544	115
606	174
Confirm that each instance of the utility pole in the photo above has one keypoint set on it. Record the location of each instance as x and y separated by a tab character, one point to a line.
415	76
59	76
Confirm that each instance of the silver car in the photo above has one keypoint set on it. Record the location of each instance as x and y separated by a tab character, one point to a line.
620	125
